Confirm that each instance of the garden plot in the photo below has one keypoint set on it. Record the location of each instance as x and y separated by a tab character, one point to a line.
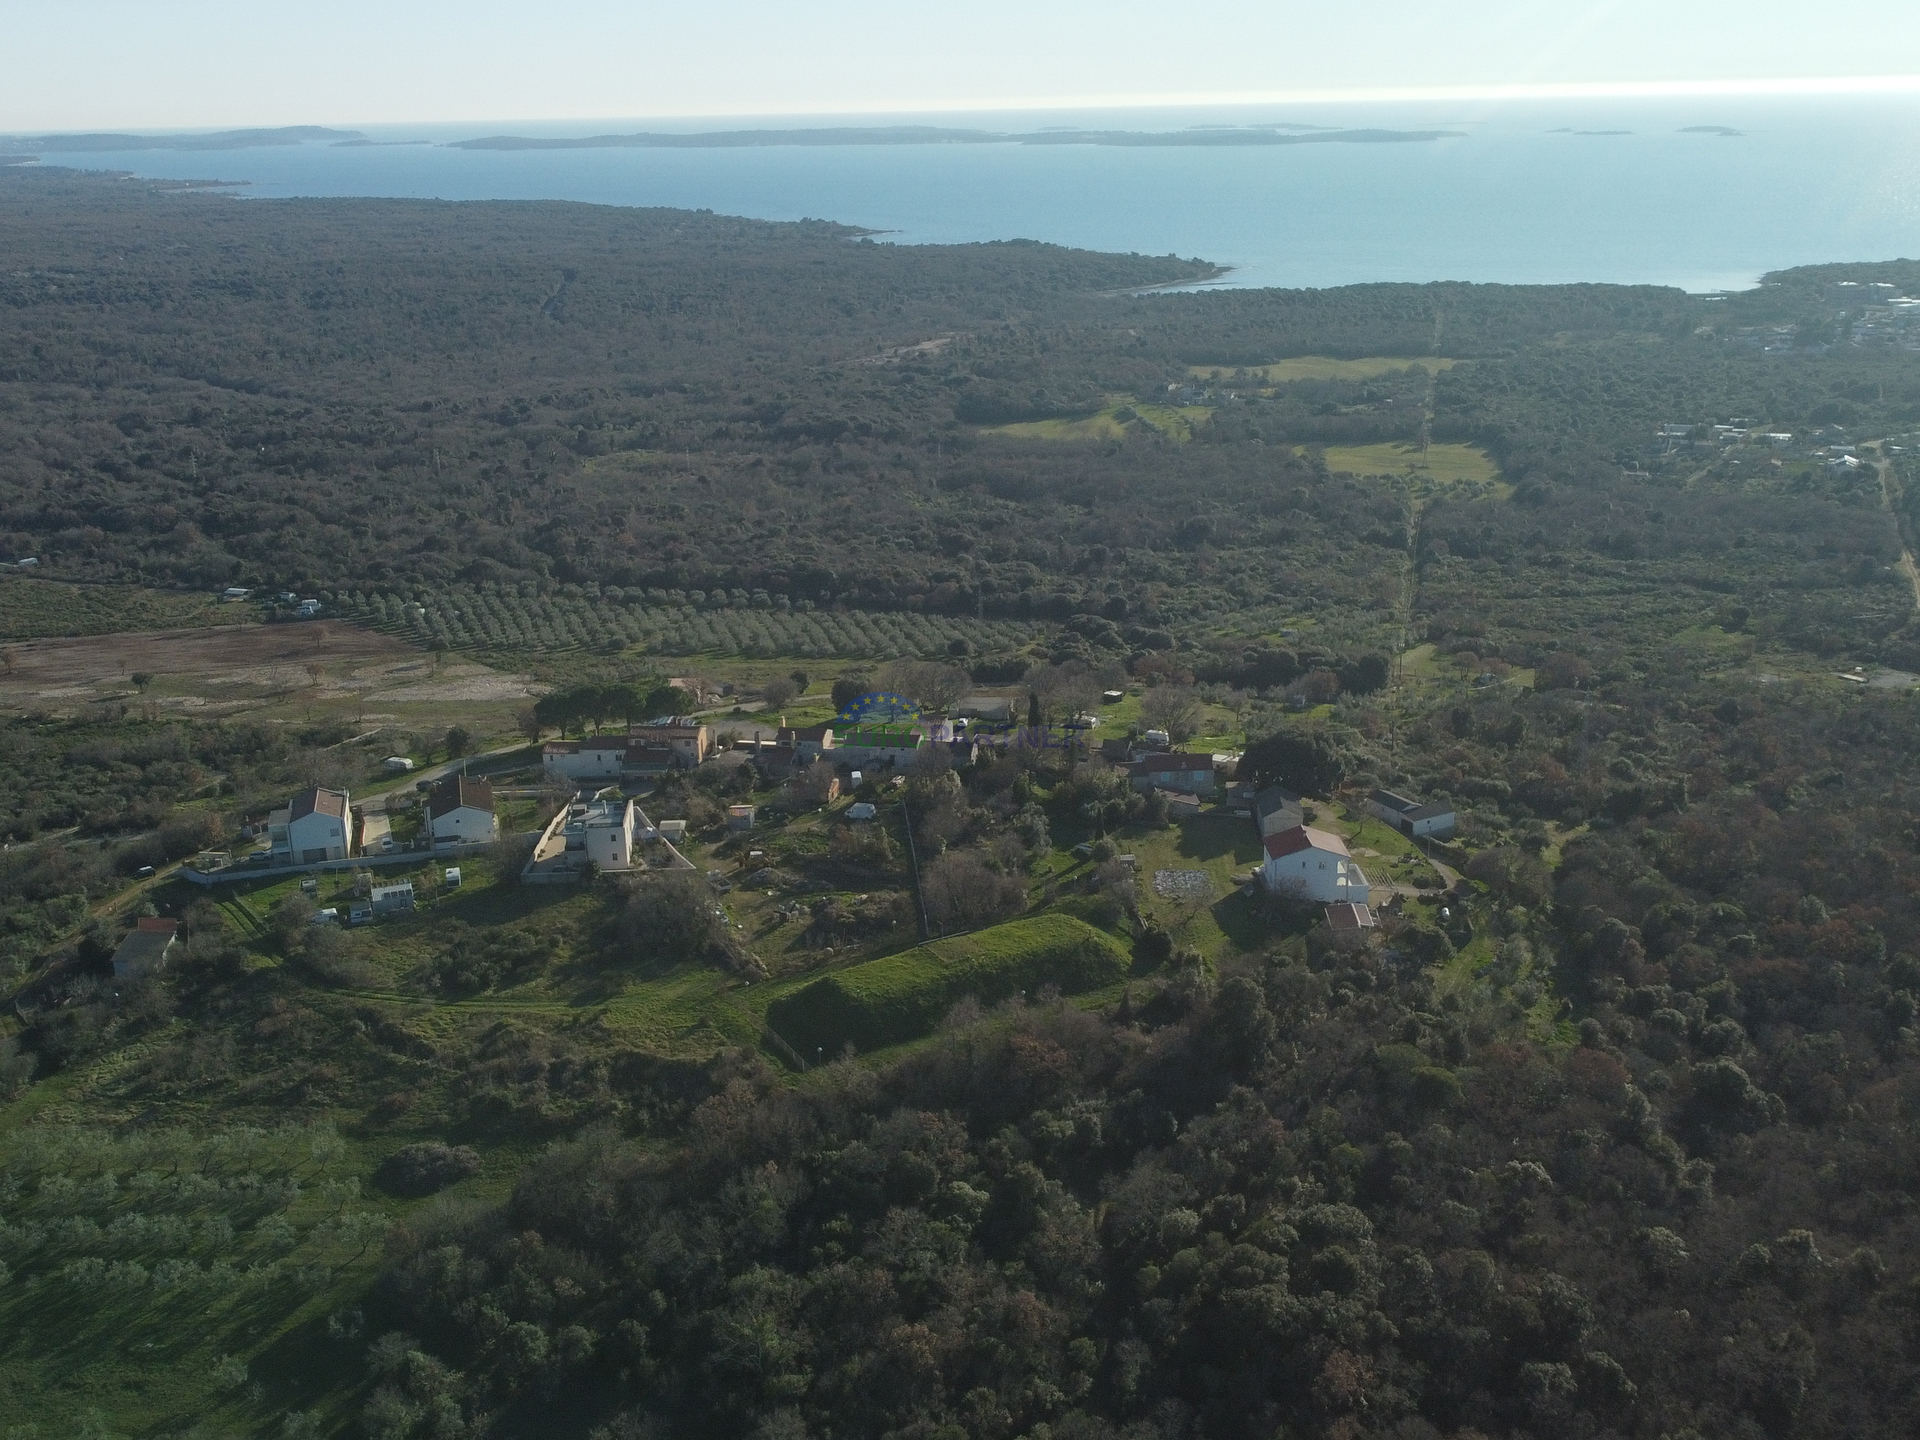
1182	884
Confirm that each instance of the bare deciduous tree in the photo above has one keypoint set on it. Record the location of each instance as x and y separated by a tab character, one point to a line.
1069	688
961	892
1174	709
937	687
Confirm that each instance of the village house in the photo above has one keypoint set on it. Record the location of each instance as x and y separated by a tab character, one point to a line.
604	757
809	742
600	833
316	827
461	812
606	833
773	761
1275	810
1410	817
690	741
652	761
1187	774
1308	864
145	948
866	747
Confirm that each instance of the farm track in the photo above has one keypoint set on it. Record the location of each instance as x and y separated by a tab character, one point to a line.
1908	568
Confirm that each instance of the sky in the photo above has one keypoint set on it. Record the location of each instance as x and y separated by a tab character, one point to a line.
134	64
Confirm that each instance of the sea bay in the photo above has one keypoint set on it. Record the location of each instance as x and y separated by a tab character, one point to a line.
1703	194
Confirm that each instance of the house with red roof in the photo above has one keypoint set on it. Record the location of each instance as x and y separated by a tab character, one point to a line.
1305	863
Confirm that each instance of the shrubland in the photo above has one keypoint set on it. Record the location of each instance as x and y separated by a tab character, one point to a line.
1605	1132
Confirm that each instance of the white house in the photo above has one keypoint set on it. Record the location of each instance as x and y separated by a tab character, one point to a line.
317	826
1308	864
461	812
1410	817
597	832
601	758
607	828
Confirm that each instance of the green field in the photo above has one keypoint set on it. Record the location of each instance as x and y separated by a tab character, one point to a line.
1321	367
31	608
1445	464
1175	422
902	997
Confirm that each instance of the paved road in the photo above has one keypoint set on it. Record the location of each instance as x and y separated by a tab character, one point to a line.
434	772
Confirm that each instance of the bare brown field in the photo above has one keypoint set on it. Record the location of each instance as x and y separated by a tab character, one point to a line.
223	669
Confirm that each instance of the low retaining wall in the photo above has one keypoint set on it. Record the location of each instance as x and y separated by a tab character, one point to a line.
318	867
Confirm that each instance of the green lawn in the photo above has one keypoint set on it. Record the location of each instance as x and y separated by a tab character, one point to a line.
1443	464
1175	422
903	996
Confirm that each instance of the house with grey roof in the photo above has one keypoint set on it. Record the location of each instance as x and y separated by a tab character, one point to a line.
1410	817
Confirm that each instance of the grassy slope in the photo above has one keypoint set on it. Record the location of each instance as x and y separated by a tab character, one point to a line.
903	996
30	608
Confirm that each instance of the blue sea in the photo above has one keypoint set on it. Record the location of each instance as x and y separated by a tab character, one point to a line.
1613	190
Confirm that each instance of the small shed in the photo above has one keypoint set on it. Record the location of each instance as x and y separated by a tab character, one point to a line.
145	948
396	765
395	899
739	818
453	877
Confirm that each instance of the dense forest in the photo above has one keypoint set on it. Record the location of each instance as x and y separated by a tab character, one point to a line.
1607	1130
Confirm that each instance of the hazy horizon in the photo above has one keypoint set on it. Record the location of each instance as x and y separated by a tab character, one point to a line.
214	64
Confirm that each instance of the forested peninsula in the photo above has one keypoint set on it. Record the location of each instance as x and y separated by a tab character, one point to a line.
1202	135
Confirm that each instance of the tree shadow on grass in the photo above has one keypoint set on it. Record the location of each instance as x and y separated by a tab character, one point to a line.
1208	837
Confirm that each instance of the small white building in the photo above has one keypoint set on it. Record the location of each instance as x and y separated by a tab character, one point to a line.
396	765
395	899
461	812
317	826
1308	864
1410	817
145	948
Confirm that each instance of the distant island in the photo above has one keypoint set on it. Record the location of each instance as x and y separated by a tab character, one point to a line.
939	135
218	140
1724	131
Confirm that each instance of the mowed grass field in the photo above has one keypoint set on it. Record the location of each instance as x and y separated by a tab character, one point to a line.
1175	422
1322	367
1446	464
